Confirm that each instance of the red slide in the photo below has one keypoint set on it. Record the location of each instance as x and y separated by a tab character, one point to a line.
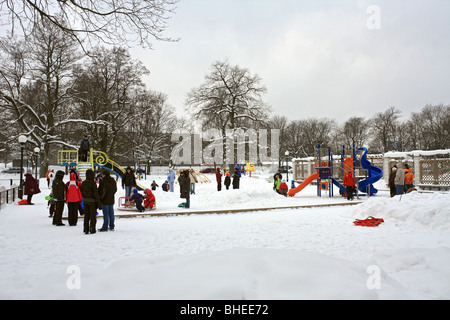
300	187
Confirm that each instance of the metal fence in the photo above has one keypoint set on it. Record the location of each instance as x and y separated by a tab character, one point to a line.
8	195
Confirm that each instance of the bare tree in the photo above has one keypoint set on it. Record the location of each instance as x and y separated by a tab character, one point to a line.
104	89
306	135
34	83
354	131
229	96
431	127
386	130
93	21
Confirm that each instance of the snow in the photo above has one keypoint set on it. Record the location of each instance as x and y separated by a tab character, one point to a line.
306	253
416	153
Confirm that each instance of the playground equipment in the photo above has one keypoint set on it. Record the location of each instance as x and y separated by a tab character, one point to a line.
69	158
324	173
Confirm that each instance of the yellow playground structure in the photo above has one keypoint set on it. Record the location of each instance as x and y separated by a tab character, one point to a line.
96	159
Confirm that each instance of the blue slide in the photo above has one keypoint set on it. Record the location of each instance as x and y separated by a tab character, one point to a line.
375	174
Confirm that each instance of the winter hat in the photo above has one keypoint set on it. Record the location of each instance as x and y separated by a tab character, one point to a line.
135	191
29	171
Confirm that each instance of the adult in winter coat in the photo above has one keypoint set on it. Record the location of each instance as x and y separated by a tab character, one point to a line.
59	197
31	186
91	202
185	187
219	179
227	181
236	180
392	175
399	179
106	191
85	147
193	180
73	198
128	181
171	179
349	184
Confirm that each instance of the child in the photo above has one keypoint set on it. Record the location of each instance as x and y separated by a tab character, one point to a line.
277	184
149	201
165	186
283	189
349	184
138	198
51	205
154	185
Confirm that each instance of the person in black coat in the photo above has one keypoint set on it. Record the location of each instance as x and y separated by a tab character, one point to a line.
91	201
236	180
85	147
107	190
128	181
59	197
227	181
185	187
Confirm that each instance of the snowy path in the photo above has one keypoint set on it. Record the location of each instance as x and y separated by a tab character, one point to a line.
283	254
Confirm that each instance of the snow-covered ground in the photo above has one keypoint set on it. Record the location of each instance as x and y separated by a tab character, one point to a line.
315	253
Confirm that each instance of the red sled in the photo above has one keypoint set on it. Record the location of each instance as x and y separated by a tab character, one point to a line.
23	201
369	222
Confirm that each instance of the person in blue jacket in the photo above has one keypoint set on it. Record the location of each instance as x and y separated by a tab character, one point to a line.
171	179
138	198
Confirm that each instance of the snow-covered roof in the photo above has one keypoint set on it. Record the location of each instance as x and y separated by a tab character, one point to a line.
415	153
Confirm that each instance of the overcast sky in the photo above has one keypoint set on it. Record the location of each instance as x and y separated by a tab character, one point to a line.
322	58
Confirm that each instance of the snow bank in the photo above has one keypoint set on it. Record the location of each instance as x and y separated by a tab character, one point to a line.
425	210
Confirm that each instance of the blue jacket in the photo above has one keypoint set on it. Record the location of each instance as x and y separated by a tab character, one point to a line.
171	176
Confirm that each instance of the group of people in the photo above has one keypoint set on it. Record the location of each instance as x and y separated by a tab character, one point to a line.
227	181
279	184
83	197
401	180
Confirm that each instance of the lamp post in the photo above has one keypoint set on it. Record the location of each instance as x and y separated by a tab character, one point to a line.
22	141
287	165
36	154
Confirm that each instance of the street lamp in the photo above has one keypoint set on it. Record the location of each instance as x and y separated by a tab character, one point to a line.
36	154
287	166
22	141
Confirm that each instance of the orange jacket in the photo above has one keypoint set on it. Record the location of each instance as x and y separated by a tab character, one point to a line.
409	176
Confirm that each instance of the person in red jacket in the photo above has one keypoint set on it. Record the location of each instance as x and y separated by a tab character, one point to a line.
219	179
349	184
150	200
31	186
73	198
283	188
